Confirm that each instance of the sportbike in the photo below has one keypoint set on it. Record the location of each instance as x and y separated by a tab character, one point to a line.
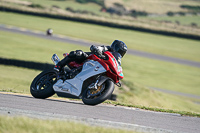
93	80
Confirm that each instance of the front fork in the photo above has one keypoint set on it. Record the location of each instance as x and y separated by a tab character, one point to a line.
94	85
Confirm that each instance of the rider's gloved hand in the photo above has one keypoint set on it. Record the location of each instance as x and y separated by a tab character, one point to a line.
81	55
93	48
97	51
78	54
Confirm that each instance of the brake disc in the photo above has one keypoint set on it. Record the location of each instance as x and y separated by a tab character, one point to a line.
94	92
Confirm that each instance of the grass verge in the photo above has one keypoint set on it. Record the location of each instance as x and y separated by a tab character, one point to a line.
30	125
15	79
182	113
159	74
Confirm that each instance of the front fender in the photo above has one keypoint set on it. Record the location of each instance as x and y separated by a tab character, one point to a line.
103	79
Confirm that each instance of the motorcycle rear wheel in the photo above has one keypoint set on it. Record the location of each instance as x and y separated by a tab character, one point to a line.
104	95
42	85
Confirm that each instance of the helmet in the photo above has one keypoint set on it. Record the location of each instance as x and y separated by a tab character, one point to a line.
119	46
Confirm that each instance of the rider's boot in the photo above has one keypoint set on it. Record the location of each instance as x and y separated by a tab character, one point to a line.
59	67
77	55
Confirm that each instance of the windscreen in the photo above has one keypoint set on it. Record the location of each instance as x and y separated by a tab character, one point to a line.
117	57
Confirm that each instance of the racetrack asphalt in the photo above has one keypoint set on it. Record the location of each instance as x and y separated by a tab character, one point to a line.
66	39
104	115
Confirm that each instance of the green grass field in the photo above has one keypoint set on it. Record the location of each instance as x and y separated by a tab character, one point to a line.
150	6
156	7
92	7
10	124
158	44
139	72
23	47
162	74
16	80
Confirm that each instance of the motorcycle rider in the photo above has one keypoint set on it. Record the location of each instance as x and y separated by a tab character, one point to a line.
79	56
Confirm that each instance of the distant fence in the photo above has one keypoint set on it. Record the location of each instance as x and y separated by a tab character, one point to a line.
26	64
97	22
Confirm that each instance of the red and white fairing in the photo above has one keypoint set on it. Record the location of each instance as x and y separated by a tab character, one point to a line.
93	66
114	70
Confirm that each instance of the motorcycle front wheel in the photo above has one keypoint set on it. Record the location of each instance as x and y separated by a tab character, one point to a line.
97	96
42	85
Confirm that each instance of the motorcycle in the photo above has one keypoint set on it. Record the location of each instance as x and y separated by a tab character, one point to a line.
92	81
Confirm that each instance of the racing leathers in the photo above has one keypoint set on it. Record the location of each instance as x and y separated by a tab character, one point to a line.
79	56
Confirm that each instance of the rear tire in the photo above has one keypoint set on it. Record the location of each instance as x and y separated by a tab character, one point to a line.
106	93
42	85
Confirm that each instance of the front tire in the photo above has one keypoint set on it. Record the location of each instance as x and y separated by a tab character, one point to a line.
42	85
104	95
